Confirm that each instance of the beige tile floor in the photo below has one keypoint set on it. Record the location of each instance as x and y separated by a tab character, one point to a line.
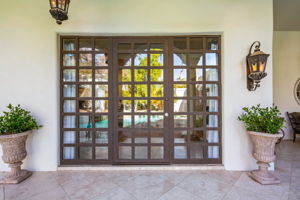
162	185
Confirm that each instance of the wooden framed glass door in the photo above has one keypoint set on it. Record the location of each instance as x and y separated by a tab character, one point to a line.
141	99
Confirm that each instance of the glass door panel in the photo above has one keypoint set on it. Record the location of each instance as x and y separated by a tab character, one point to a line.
142	125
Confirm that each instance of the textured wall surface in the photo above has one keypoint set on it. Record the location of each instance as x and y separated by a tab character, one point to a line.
29	58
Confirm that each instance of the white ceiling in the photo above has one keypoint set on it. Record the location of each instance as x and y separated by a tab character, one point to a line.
286	15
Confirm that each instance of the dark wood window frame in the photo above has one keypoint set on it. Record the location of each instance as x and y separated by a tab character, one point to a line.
111	143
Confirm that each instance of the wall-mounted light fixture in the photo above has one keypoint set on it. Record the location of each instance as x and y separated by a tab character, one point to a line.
256	66
59	10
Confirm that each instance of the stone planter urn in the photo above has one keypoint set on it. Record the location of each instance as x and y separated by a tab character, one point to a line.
14	151
264	153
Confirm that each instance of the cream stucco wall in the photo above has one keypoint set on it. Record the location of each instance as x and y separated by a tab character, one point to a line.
29	71
286	59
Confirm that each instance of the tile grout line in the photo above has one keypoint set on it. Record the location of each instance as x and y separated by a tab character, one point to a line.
232	186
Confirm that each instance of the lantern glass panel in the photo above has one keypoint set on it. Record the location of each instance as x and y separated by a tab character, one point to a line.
53	3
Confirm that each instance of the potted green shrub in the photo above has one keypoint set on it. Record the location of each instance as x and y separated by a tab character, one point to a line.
15	126
263	126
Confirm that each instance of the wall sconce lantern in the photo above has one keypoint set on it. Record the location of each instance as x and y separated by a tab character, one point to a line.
256	66
59	10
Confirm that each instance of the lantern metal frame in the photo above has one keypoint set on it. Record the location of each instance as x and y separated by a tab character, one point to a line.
59	10
254	76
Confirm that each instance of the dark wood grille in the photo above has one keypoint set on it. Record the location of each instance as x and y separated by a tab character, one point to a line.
140	100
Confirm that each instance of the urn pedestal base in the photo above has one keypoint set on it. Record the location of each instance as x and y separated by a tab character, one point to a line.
262	175
16	178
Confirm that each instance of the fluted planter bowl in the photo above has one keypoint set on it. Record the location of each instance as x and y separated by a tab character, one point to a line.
14	151
264	153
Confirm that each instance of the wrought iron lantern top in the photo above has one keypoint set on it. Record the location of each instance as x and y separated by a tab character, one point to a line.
59	10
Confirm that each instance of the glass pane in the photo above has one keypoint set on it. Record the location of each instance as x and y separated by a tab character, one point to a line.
196	151
212	90
141	136
180	43
180	152
101	106
124	137
85	152
85	45
180	105
101	121
157	152
69	105
196	90
156	121
101	90
101	44
196	105
101	137
156	47
179	59
140	75
124	59
157	136
69	122
69	153
196	59
69	90
211	59
196	74
196	43
156	74
85	91
196	121
156	59
213	152
85	105
156	90
180	121
180	90
124	121
124	152
101	152
101	59
180	136
124	106
101	75
85	137
124	46
212	121
85	75
196	136
212	136
140	90
85	60
141	152
211	75
124	90
69	60
156	106
141	121
141	46
212	105
69	75
69	44
179	75
69	137
140	60
141	106
124	75
212	43
85	121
